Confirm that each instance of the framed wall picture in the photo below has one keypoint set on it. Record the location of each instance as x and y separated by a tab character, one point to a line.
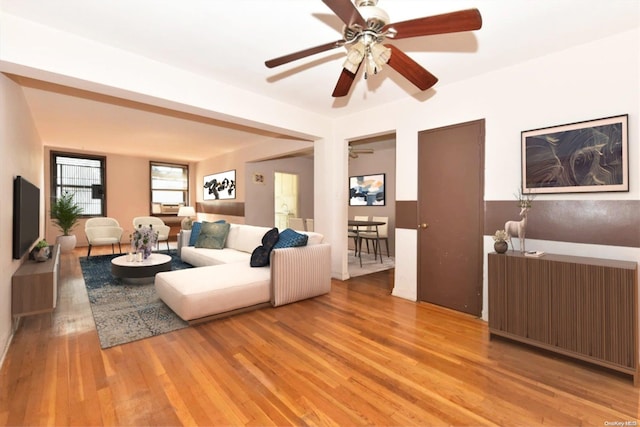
220	186
366	190
258	178
589	156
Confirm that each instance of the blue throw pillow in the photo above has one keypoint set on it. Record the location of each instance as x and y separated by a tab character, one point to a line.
260	255
291	239
195	232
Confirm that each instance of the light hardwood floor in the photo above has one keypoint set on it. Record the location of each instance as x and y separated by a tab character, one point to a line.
356	356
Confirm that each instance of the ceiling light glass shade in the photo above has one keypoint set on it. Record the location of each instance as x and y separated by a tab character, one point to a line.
354	57
377	56
380	54
187	212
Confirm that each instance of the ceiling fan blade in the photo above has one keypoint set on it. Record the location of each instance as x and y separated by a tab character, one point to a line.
346	11
344	82
463	20
410	69
302	54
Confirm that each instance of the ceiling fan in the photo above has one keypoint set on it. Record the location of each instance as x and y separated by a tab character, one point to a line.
366	28
355	152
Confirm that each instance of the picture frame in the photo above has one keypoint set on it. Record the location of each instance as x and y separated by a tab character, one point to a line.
258	178
367	190
587	156
220	186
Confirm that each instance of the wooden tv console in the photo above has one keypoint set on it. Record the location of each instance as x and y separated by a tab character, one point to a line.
34	286
586	308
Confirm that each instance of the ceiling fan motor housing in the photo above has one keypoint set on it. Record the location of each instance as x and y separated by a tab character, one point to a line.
375	17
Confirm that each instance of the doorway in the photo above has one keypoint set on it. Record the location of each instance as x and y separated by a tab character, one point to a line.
451	216
286	198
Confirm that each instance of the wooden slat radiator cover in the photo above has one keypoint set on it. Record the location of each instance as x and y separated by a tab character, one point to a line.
581	307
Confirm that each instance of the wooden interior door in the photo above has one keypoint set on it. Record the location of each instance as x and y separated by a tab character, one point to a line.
451	216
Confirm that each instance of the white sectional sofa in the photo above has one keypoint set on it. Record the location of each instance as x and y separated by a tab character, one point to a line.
224	282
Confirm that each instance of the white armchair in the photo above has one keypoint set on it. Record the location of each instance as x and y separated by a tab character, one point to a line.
103	231
158	224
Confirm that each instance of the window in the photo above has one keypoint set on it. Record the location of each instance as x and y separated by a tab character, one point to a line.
84	177
169	188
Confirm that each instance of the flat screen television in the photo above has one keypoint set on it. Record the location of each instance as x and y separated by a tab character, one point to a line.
26	216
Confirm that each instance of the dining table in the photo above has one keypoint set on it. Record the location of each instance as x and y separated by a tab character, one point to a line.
357	226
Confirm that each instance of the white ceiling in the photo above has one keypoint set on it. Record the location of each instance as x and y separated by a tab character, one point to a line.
229	41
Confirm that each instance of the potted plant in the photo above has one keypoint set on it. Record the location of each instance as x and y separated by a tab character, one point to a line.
65	214
500	239
41	251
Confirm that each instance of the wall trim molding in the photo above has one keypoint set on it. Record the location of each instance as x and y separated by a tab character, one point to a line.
598	222
221	207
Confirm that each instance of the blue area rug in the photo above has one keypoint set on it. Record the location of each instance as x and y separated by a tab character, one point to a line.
126	312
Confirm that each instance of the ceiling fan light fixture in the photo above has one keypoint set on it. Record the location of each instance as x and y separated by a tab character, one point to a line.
380	54
355	55
377	56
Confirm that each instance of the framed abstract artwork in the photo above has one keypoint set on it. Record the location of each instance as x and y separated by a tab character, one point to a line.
220	186
366	190
589	156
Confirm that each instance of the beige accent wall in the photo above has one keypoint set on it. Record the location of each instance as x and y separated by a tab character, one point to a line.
263	151
260	204
127	190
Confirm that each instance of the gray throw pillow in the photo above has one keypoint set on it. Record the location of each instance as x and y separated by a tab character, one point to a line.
213	235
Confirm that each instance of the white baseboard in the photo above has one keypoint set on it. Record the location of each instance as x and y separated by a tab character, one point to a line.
5	350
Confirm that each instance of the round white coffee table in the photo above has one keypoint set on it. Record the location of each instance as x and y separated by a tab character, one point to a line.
140	271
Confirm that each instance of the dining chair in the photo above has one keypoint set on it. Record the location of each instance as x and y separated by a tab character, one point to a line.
103	231
354	233
296	224
158	225
383	234
309	224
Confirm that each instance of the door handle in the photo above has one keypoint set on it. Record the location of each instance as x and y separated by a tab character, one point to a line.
423	225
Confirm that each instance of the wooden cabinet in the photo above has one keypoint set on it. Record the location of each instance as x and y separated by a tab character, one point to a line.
34	286
582	307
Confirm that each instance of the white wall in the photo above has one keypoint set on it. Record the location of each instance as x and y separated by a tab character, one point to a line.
21	150
598	79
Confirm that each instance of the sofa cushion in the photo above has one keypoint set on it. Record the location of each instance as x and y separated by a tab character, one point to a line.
260	255
314	238
202	257
198	292
243	237
291	239
212	235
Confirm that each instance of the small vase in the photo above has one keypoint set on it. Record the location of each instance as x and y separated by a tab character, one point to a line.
42	254
146	252
501	246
